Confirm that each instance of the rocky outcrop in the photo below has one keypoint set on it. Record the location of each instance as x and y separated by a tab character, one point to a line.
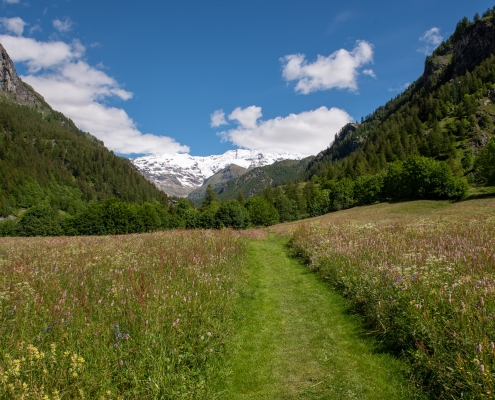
476	44
11	85
463	52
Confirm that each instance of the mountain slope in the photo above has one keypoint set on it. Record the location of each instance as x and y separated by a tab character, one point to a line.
219	181
254	181
180	174
44	156
447	114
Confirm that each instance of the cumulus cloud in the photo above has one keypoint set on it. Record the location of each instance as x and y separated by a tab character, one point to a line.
217	118
11	1
306	133
15	25
69	84
338	70
247	117
63	26
430	39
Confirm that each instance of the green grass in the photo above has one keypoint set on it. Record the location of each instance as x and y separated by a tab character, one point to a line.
296	339
116	317
422	274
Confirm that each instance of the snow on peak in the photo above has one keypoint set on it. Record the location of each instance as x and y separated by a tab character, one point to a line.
186	172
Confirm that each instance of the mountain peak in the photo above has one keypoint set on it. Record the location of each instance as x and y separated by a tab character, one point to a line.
11	86
180	174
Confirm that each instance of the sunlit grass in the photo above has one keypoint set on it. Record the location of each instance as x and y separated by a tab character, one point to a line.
138	316
426	285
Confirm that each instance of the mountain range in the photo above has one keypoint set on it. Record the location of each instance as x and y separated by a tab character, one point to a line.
446	115
180	174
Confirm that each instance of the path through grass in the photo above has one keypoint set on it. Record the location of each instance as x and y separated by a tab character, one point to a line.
297	340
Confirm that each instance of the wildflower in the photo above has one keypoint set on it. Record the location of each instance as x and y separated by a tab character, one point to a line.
478	349
492	345
482	368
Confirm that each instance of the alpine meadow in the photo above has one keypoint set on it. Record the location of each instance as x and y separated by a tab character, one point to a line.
272	269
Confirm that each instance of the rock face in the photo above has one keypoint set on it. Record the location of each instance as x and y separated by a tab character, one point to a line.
11	85
180	174
476	44
463	54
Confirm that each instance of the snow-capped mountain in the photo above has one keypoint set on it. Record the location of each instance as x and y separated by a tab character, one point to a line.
180	174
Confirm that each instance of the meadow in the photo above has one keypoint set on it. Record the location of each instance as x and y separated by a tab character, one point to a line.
423	276
137	316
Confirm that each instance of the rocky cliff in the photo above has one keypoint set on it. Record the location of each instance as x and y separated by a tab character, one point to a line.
474	45
468	47
12	87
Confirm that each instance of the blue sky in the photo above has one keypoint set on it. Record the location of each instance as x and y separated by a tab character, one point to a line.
146	77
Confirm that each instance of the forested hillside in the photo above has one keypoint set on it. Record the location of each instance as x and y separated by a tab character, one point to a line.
44	156
447	114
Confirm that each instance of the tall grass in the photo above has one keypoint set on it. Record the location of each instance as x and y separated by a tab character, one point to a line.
426	288
139	316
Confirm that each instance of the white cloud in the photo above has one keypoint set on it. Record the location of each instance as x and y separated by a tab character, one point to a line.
306	133
77	89
11	1
431	39
369	72
338	70
63	26
35	28
246	117
217	119
15	25
400	88
38	55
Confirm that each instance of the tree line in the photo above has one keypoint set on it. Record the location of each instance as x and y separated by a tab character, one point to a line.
415	178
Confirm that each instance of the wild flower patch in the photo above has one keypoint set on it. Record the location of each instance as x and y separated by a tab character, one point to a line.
426	289
138	316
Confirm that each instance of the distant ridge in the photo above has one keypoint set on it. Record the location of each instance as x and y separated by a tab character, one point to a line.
180	174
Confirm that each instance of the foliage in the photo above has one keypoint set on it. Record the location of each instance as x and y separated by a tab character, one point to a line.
44	157
232	215
485	163
261	212
40	220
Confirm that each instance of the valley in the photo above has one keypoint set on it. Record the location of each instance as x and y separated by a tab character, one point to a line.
365	271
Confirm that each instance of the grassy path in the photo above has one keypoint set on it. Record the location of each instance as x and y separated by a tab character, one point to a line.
296	340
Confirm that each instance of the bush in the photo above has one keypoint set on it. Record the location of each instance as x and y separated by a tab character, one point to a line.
320	204
342	195
261	212
368	189
40	220
232	215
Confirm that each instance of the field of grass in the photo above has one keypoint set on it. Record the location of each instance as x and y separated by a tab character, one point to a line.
138	316
423	275
297	340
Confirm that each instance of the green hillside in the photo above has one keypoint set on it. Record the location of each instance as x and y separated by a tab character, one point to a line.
257	179
44	156
217	181
447	114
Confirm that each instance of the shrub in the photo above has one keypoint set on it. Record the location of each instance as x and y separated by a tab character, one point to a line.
261	212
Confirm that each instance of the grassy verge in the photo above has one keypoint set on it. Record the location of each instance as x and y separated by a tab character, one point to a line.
296	339
138	316
423	275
